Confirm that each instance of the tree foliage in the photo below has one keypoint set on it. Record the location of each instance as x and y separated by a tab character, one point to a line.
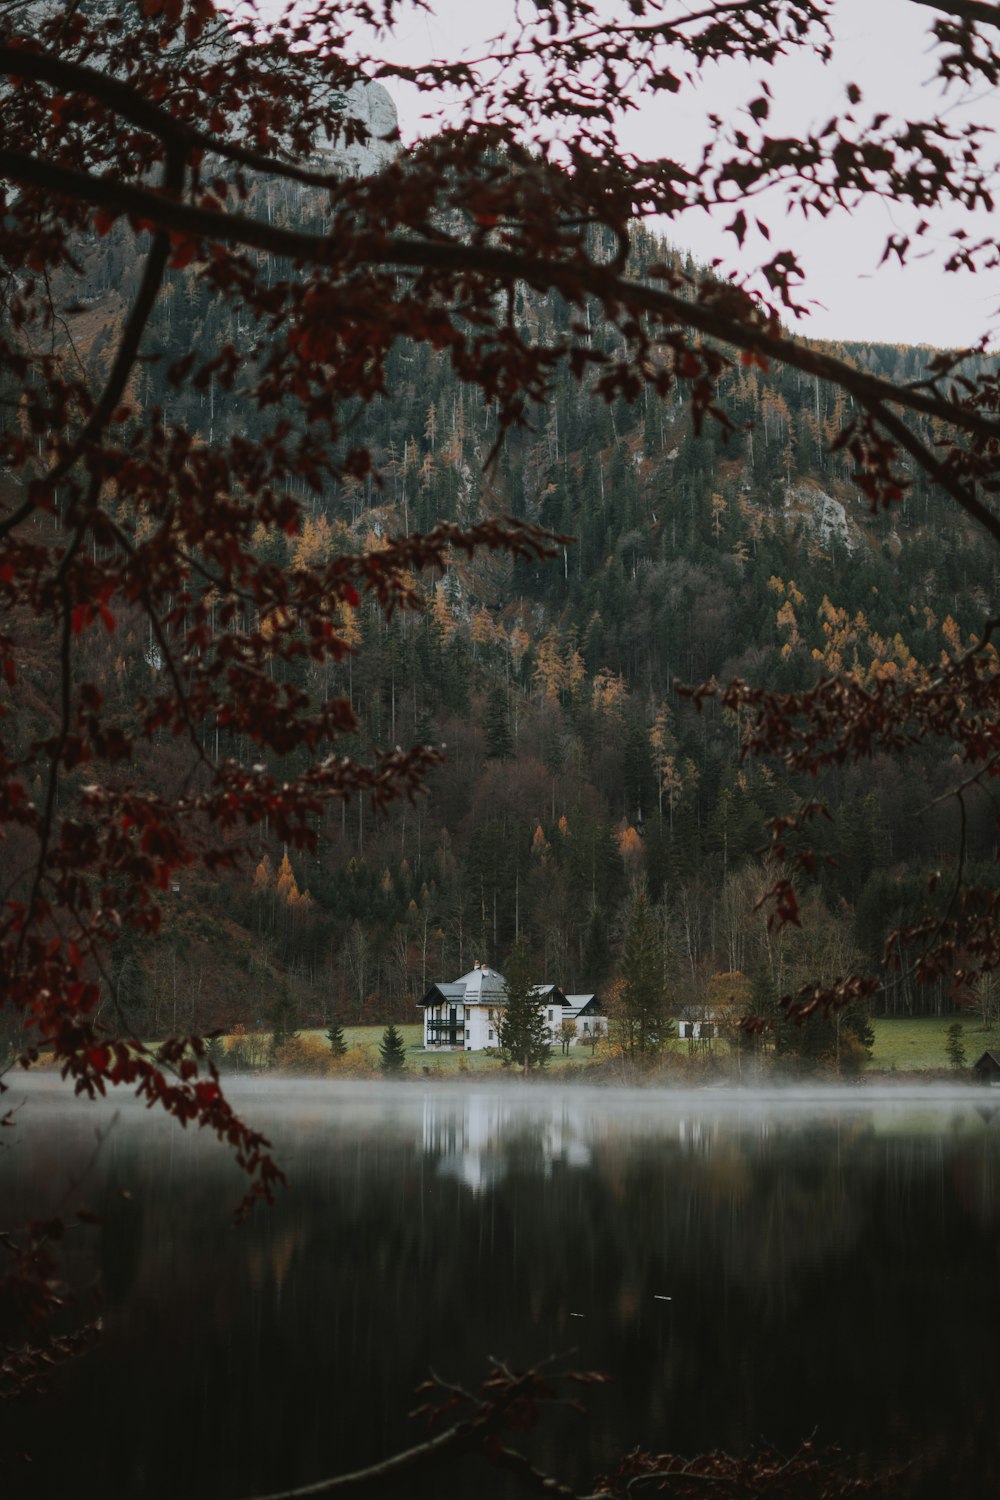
523	1037
158	122
955	1046
392	1051
641	1005
335	1036
177	132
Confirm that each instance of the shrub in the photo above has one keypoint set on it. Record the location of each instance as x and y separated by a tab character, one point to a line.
308	1056
357	1062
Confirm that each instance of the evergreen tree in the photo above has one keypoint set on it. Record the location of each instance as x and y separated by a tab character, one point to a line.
842	1041
335	1036
955	1046
638	777
596	953
392	1051
763	1006
282	1019
215	1051
522	1032
644	1023
496	723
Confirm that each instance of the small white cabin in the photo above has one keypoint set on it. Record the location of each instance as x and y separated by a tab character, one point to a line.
698	1026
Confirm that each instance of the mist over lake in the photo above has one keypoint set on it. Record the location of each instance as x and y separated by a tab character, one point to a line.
745	1267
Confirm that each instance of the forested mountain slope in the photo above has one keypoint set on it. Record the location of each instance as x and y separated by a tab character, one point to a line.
573	768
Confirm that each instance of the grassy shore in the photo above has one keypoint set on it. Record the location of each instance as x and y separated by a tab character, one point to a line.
368	1038
917	1045
901	1046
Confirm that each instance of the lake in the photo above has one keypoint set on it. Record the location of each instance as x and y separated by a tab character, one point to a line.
745	1267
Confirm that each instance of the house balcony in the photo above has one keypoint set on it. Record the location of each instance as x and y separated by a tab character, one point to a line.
445	1034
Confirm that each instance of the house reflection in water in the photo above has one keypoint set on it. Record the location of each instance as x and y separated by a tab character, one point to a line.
481	1140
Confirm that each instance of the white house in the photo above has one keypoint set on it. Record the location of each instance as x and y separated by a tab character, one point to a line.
462	1015
583	1010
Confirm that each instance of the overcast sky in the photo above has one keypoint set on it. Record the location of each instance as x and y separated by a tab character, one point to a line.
883	47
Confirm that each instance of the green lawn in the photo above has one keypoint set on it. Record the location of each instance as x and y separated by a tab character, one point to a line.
916	1045
442	1062
904	1046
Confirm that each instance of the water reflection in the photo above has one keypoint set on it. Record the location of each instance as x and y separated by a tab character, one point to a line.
477	1139
743	1267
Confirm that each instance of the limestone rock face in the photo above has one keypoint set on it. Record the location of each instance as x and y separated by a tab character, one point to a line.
821	515
372	104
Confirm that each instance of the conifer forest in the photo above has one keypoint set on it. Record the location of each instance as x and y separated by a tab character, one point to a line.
573	768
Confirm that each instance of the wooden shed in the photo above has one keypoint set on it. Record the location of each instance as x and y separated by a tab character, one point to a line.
987	1068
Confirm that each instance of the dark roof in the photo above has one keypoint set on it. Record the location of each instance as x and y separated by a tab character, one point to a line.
448	994
484	986
549	994
988	1061
481	984
582	1005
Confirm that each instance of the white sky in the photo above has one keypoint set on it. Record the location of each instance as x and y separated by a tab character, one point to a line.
883	46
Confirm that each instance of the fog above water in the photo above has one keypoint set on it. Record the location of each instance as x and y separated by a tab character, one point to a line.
293	1107
271	1093
474	1133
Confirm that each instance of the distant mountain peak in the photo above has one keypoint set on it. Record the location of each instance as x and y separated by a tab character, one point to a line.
370	104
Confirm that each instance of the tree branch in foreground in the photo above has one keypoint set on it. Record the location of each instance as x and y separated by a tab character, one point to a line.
507	1399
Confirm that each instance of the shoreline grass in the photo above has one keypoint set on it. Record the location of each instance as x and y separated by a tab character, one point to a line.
904	1046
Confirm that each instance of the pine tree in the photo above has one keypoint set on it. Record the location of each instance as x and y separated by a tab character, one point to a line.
392	1051
496	723
596	953
522	1032
335	1036
282	1019
216	1051
955	1046
646	1025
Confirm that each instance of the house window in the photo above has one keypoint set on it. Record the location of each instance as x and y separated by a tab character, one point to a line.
491	1035
586	1025
551	1015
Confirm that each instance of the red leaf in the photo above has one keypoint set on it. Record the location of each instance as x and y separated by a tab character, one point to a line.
184	254
750	357
81	618
103	220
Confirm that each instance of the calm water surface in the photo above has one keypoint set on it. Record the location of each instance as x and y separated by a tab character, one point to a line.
831	1262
